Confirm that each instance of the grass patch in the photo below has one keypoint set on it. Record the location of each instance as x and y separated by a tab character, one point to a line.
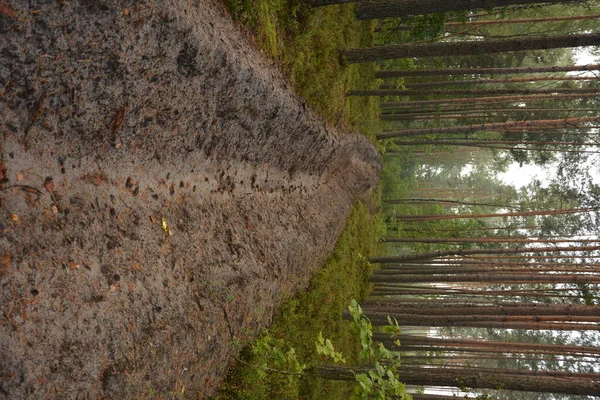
317	309
306	43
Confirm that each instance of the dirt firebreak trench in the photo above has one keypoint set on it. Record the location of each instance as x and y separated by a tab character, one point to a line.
159	179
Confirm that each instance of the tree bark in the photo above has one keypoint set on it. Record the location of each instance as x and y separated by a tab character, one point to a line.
443	376
439	254
492	99
441	49
479	92
495	81
485	71
496	215
533	124
404	8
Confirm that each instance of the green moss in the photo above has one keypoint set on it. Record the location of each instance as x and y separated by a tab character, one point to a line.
306	42
318	309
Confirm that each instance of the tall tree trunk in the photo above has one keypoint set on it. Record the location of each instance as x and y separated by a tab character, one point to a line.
489	278
533	124
502	347
492	215
484	240
557	322
523	309
443	376
445	253
443	202
441	49
495	81
493	99
484	71
403	8
480	92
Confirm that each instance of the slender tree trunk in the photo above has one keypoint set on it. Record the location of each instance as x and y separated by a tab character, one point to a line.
493	215
441	49
443	376
482	110
479	100
485	71
439	254
501	347
524	309
533	124
484	240
479	92
488	278
443	202
496	81
403	8
557	322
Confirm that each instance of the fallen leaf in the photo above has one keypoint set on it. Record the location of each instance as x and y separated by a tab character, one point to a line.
137	266
74	265
164	225
54	209
7	10
126	12
20	177
30	200
96	179
14	217
5	262
49	184
3	176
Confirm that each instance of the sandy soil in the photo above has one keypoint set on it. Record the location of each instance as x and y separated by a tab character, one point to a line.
160	185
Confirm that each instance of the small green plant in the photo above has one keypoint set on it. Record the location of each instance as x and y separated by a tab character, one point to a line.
381	382
325	347
272	356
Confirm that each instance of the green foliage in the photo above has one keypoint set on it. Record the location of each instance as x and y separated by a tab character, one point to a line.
381	382
318	309
325	347
306	42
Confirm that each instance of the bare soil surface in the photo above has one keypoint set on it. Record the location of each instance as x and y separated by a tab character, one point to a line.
161	187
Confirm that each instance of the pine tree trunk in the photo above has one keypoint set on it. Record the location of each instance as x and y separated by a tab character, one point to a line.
488	278
444	376
403	8
474	93
493	99
495	81
445	253
485	71
442	49
533	124
494	215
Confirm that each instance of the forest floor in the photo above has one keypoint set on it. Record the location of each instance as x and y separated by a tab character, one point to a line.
162	190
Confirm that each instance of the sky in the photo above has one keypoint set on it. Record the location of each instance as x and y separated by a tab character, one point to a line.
521	176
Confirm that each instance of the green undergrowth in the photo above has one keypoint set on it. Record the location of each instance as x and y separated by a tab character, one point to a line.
306	41
317	309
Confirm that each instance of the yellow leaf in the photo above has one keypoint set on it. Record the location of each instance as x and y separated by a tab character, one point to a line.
164	225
